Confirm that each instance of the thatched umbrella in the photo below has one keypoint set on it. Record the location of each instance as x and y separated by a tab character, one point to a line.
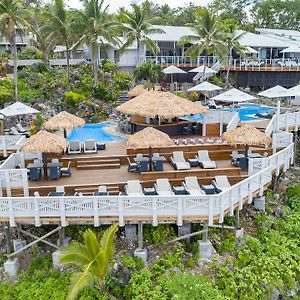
65	121
247	135
149	138
44	142
137	90
162	104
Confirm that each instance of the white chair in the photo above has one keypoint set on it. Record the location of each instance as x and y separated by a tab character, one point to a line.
14	131
133	188
60	189
163	187
102	189
89	146
74	147
178	161
36	194
212	104
20	128
192	186
204	160
66	170
221	183
55	160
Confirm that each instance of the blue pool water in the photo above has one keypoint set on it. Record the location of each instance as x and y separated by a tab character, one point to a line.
94	132
246	111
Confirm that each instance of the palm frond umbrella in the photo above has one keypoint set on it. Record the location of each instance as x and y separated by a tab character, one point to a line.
44	142
247	135
162	104
149	138
64	121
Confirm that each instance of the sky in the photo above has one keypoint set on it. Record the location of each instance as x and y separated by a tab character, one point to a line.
115	4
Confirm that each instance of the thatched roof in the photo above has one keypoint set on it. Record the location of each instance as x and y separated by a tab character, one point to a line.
136	91
149	137
63	120
247	135
162	104
44	142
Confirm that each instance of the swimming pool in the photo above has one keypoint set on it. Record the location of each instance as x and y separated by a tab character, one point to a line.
93	132
246	111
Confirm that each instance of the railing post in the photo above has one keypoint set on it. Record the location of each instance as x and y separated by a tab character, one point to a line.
221	212
240	198
250	195
62	208
4	146
179	211
37	219
261	182
96	211
286	122
7	183
154	212
278	166
25	183
231	203
121	212
210	211
11	214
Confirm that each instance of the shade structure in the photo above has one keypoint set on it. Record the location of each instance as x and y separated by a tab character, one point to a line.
17	109
162	104
44	142
63	121
173	70
204	87
247	135
293	49
294	91
201	69
274	92
149	138
234	95
250	50
137	90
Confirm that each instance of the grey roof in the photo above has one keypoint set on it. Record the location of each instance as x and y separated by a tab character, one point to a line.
280	32
172	33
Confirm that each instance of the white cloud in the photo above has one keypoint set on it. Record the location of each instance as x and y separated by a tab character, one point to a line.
115	4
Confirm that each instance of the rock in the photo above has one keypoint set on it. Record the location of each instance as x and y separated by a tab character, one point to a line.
276	295
278	212
176	270
292	293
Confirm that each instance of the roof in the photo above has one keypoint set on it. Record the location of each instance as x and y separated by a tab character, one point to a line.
281	32
171	33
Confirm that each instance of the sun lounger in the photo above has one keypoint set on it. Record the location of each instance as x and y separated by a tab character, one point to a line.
192	186
74	147
133	188
14	131
66	170
89	146
178	161
102	191
131	166
187	129
163	187
212	104
20	128
60	189
204	161
221	183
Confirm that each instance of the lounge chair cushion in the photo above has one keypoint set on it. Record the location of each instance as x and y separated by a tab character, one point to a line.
209	164
182	166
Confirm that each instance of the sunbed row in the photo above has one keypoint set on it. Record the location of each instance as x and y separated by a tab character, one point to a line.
88	146
18	129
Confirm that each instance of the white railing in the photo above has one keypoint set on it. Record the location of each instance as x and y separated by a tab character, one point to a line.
284	122
149	207
281	158
11	142
235	64
52	62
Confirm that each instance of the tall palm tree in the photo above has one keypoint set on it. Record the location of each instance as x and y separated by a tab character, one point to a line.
92	257
136	27
207	36
95	26
58	23
12	18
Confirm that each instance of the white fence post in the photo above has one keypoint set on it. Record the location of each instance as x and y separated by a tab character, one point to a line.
7	183
121	212
11	215
96	211
62	209
154	212
37	220
210	211
25	183
179	211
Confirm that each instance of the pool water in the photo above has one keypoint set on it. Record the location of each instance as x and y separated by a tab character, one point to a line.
246	111
93	132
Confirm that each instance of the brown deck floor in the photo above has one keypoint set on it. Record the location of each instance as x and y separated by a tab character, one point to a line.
82	177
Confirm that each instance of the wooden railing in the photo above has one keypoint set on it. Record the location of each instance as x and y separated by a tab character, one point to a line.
155	209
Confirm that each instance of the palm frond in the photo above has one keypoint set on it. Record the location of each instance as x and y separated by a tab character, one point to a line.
91	243
79	281
107	240
75	254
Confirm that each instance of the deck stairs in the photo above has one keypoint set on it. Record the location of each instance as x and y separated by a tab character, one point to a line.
93	163
123	97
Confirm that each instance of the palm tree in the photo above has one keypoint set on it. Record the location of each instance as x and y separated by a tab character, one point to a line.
93	257
136	27
58	24
207	36
95	27
12	17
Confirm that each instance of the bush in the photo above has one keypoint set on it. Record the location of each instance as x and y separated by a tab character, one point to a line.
29	95
161	233
181	94
148	71
132	263
5	95
73	99
194	96
30	53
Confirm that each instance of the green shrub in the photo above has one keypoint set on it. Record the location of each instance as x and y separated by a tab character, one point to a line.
73	99
181	94
227	244
29	95
5	95
132	263
161	233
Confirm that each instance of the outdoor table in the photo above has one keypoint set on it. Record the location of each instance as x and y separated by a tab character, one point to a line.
56	194
179	190
208	189
35	165
141	159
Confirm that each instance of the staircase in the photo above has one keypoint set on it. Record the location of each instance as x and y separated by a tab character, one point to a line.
123	97
98	163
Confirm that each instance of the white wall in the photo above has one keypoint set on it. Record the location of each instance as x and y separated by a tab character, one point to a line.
128	58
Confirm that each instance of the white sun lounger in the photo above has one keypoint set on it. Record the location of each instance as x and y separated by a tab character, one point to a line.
178	161
163	187
20	128
133	188
204	161
89	146
74	147
14	131
192	186
221	183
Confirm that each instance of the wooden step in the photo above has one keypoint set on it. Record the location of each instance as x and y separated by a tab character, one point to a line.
98	166
98	161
